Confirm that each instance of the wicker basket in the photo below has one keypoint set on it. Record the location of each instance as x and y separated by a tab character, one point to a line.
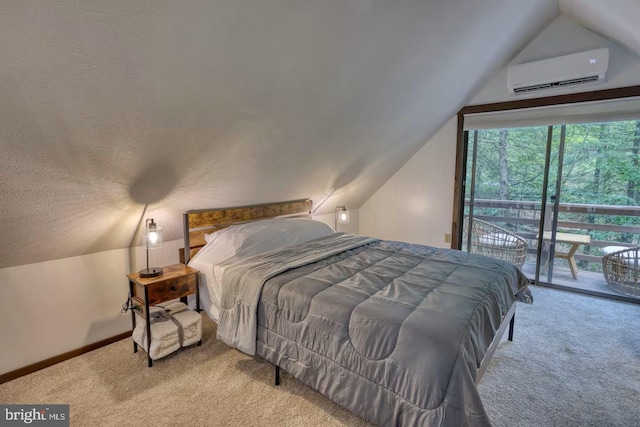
622	271
496	242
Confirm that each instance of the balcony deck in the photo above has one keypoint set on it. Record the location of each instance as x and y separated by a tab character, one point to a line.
587	280
605	224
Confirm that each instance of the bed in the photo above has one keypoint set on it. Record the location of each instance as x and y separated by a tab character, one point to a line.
397	333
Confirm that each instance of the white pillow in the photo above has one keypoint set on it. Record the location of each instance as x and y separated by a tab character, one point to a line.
260	236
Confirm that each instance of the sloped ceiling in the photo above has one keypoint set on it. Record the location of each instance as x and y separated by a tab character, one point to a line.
111	108
615	19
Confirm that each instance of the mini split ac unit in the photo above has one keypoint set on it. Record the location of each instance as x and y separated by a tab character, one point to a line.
561	72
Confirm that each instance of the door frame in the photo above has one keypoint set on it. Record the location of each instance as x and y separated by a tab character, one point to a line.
461	149
462	152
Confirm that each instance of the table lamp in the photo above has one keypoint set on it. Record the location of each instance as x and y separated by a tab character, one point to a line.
153	240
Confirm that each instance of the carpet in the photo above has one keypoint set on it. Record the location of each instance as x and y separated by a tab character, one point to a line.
574	361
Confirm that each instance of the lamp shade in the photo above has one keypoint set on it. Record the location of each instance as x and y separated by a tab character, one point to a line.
341	216
154	236
152	240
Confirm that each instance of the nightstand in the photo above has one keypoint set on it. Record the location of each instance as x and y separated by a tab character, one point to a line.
178	281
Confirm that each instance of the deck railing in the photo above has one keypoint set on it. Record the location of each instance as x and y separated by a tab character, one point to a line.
523	217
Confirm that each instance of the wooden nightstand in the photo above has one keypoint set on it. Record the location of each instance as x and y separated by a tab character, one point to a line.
178	281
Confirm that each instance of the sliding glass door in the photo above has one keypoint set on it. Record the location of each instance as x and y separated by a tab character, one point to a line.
570	192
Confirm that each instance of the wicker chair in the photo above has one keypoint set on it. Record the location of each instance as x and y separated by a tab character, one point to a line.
496	242
622	271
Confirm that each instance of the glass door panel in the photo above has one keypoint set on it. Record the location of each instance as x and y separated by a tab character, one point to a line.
597	208
503	192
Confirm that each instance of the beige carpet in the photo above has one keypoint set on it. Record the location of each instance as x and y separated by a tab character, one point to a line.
211	385
575	361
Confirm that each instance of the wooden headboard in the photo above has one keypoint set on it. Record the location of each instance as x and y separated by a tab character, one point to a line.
197	223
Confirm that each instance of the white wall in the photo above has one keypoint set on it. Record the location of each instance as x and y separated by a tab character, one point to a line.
562	37
416	204
53	307
351	228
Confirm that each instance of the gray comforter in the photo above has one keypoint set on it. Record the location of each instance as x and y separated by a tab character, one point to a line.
393	332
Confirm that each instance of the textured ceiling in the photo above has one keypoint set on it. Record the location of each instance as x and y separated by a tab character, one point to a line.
109	106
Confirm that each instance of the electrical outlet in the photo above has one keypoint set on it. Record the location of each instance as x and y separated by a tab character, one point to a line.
447	238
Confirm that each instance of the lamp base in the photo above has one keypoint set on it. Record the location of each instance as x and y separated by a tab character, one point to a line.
151	272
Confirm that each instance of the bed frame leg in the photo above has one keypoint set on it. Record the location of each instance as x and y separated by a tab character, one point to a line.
277	375
511	323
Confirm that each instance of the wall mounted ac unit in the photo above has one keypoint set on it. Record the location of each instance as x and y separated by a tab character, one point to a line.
561	72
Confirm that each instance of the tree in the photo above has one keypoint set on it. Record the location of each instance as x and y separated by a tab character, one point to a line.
504	169
601	167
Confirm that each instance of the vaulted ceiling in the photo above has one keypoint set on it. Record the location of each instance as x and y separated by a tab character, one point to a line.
114	111
615	19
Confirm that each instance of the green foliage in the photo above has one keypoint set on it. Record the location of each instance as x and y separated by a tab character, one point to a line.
601	166
599	163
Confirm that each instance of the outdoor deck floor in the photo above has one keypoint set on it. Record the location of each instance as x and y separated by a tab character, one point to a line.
587	280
